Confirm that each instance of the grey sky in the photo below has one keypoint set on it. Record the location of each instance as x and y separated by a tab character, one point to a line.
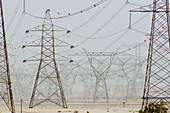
16	35
118	21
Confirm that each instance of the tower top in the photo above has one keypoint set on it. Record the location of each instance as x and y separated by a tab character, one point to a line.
48	10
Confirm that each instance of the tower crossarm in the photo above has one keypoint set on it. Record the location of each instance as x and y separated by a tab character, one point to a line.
37	58
39	28
55	28
46	45
157	7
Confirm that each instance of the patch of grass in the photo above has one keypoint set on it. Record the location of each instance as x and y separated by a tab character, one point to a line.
155	108
76	111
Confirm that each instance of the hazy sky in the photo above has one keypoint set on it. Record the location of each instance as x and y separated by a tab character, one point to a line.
105	26
105	19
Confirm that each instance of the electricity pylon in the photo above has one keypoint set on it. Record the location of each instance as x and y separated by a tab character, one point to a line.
48	72
131	64
5	80
157	79
100	72
131	71
101	91
68	77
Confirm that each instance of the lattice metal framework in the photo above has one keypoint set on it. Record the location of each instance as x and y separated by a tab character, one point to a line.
131	64
48	86
68	77
131	71
100	67
157	80
5	80
100	72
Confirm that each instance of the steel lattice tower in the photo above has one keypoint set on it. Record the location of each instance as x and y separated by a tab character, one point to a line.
101	91
157	79
5	80
131	64
131	72
48	73
100	72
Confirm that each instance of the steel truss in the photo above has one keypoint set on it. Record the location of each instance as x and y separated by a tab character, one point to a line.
48	86
131	71
157	79
5	80
101	91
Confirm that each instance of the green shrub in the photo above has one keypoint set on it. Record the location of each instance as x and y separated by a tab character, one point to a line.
155	108
76	111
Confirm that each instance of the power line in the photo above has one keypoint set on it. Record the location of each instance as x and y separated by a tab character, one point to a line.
117	39
14	14
100	37
124	33
70	14
115	14
17	27
104	7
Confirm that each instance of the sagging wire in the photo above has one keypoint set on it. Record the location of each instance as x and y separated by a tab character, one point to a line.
146	34
115	41
79	36
104	7
115	14
118	12
116	53
126	30
100	37
19	21
70	14
17	27
124	33
121	36
14	14
140	19
103	26
135	4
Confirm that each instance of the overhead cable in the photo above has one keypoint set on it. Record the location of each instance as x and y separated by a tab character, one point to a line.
16	28
95	15
70	14
115	15
14	14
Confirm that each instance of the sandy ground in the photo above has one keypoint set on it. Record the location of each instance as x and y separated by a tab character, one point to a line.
81	108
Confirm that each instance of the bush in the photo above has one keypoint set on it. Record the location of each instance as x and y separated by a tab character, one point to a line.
155	108
76	111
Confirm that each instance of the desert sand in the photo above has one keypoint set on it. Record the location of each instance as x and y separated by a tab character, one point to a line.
81	108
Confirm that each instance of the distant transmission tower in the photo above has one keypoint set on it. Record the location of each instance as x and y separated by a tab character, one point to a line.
48	72
131	65
100	71
5	80
157	80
